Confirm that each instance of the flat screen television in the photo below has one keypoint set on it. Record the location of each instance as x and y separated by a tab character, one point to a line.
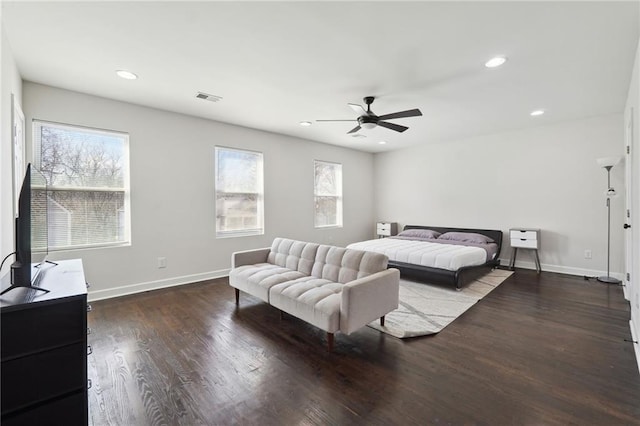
32	210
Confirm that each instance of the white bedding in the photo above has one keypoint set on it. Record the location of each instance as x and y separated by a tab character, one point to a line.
424	253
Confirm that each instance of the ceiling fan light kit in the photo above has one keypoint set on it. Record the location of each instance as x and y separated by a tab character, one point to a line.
369	120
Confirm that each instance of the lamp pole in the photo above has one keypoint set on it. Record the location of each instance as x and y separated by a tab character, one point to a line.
609	279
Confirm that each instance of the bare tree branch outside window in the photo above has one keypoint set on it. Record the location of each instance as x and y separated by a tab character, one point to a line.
86	172
328	194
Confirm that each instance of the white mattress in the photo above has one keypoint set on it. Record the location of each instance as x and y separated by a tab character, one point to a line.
424	253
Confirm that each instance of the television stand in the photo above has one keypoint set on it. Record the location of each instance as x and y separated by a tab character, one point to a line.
45	261
23	286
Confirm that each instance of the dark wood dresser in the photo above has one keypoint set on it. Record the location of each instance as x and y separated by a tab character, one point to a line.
44	349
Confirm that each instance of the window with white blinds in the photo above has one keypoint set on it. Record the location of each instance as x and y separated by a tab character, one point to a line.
87	185
239	192
327	194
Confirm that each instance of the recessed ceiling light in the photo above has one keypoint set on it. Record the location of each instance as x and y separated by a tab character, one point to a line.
495	62
537	112
127	75
305	123
382	142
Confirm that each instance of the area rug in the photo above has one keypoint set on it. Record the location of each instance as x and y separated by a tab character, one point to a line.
427	309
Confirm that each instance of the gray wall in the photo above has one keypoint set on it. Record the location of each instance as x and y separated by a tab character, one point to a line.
543	177
172	190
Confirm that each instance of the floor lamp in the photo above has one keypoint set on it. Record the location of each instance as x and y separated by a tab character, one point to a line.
608	163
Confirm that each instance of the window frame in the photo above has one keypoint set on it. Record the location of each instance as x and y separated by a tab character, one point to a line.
339	196
37	124
260	220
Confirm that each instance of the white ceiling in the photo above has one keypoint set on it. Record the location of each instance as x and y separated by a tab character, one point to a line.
278	63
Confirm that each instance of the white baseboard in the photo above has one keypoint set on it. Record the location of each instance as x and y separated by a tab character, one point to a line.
636	346
154	285
188	279
562	269
625	291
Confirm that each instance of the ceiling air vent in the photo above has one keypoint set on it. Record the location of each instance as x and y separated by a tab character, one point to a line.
208	97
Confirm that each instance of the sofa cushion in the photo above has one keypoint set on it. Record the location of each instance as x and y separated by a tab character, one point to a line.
294	255
315	300
343	265
259	278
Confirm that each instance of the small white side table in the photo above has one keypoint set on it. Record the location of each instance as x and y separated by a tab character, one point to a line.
386	229
524	238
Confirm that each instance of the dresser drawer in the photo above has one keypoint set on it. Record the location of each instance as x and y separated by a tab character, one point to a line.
70	410
42	376
522	243
24	331
524	234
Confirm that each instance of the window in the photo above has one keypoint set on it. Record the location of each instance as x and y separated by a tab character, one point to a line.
87	177
328	194
239	193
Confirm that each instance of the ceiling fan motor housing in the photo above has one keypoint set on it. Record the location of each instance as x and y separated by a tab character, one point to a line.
368	121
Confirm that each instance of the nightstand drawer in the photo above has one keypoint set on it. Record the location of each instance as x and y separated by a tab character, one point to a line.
524	243
524	234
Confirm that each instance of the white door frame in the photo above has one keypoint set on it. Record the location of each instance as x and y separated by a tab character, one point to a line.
629	290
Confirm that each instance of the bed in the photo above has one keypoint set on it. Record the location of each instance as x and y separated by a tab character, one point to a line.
439	255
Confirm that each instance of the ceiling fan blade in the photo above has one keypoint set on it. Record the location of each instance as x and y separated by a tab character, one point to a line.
355	129
396	127
358	108
402	114
338	120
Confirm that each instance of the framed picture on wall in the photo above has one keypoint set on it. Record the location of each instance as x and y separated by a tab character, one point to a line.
19	154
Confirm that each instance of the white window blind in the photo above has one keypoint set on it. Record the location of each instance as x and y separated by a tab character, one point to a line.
239	192
328	194
87	185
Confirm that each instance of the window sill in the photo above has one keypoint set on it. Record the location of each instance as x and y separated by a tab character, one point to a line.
88	247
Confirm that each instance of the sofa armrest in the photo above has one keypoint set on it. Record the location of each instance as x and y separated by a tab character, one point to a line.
249	257
369	298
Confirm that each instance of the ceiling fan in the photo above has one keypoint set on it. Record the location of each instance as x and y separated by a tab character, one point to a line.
368	120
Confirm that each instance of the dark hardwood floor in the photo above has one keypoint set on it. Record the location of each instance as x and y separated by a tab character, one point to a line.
538	350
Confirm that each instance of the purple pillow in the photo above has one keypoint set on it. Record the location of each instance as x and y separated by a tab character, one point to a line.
466	237
428	234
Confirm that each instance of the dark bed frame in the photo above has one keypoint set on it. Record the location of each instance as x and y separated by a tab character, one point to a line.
458	278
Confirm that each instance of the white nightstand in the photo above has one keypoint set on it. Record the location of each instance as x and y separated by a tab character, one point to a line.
386	229
526	239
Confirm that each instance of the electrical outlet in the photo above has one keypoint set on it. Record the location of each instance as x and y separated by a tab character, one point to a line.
162	262
587	254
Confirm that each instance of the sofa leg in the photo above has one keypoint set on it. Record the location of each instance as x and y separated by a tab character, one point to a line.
382	321
330	342
237	296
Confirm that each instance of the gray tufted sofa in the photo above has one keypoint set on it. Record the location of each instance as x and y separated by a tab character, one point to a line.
333	288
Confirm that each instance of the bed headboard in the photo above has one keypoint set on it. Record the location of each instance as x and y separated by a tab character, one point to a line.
495	235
